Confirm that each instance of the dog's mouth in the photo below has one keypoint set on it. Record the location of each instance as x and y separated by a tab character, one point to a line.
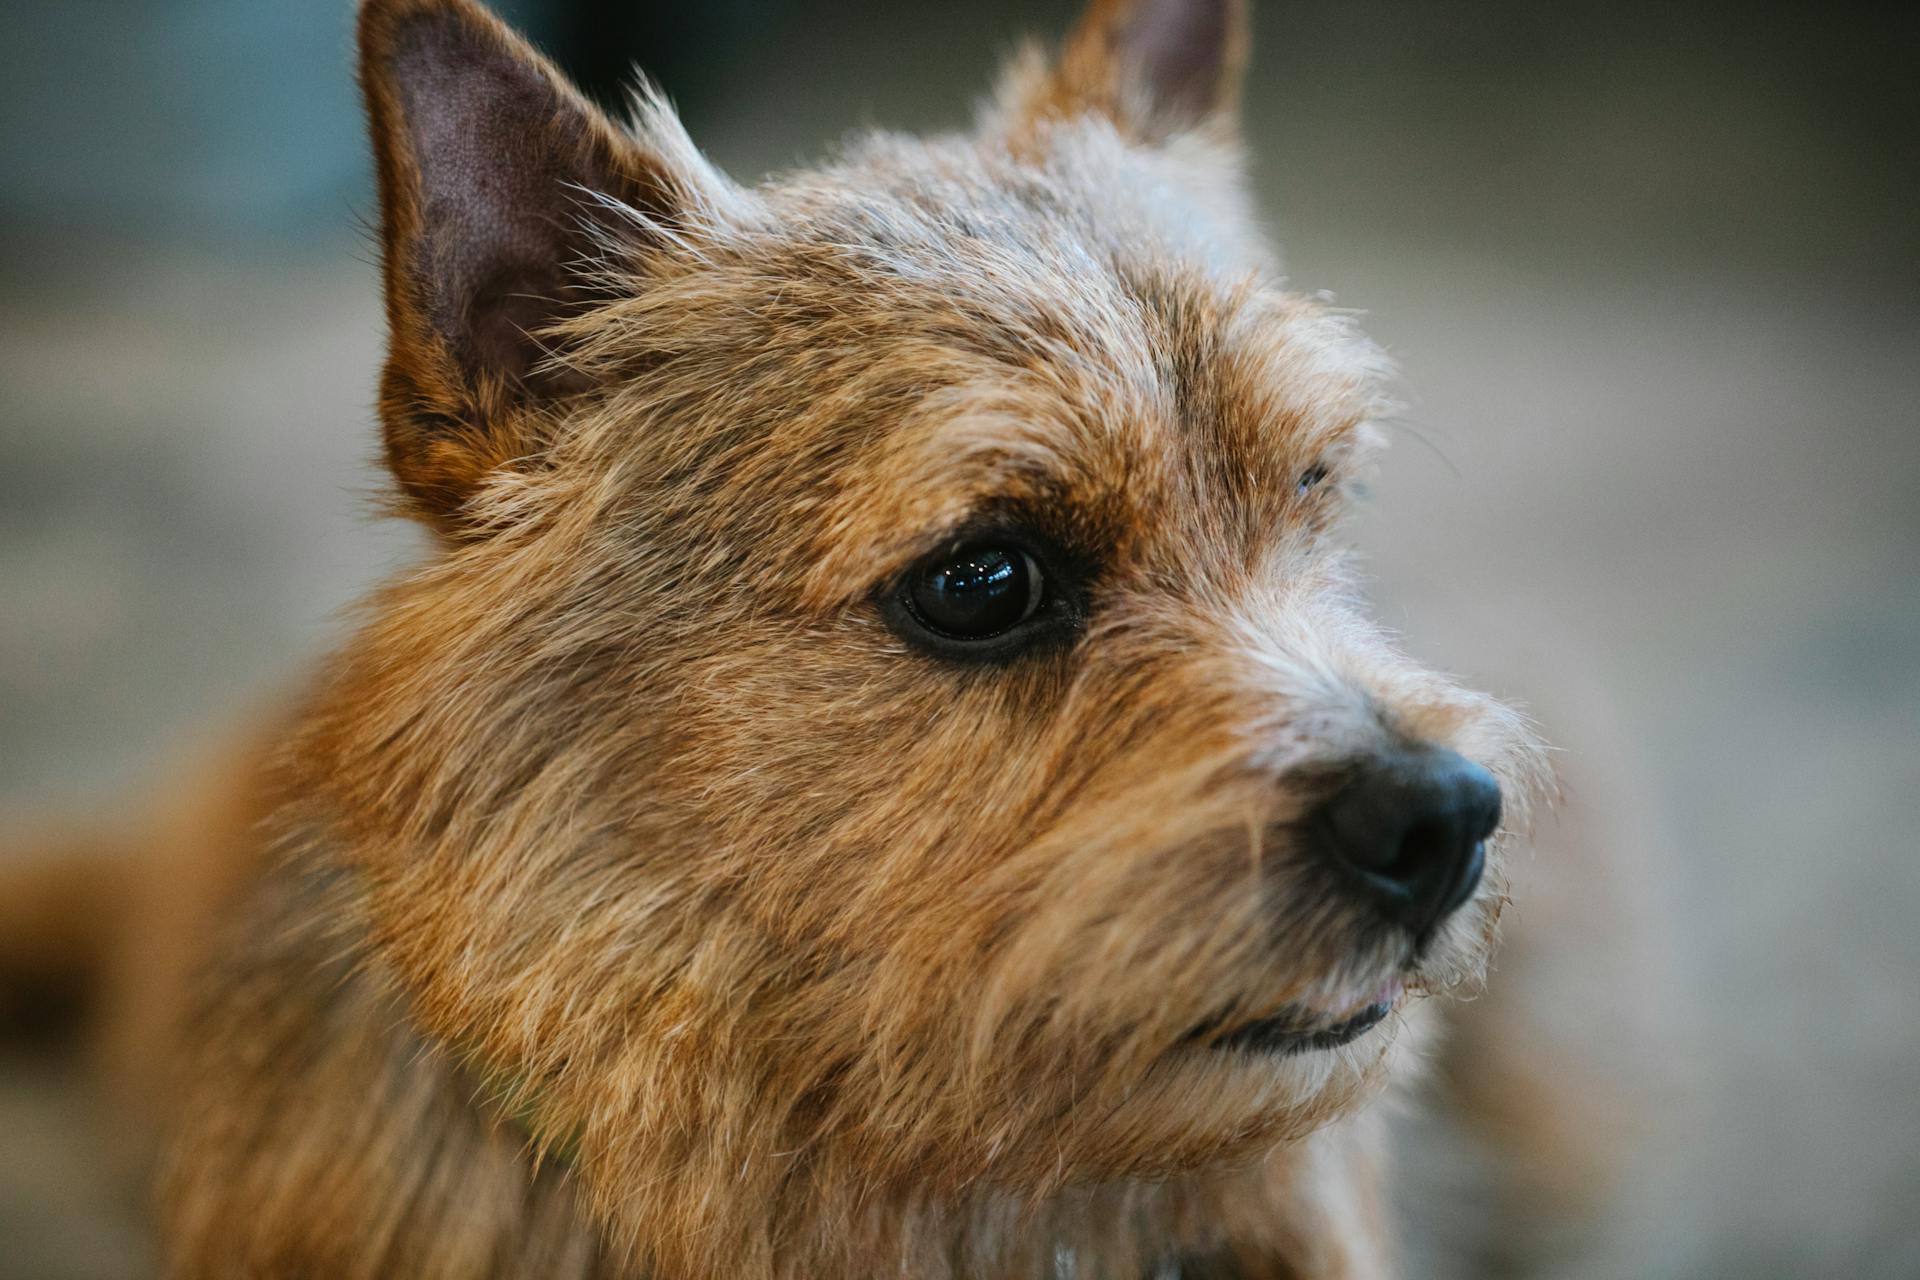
1300	1028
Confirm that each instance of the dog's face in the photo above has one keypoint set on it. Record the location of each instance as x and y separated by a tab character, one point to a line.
891	703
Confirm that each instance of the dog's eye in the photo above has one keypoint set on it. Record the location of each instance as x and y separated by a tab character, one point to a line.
991	597
1310	479
976	592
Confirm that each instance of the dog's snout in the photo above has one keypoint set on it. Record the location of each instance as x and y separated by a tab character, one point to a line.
1409	828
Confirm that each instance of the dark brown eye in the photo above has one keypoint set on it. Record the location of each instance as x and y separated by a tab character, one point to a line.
1310	479
976	592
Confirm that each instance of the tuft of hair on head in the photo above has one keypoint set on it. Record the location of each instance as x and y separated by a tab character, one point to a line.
502	192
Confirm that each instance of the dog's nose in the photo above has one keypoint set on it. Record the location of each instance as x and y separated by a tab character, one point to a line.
1410	827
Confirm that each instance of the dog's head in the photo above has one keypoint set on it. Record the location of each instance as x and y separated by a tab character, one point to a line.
889	702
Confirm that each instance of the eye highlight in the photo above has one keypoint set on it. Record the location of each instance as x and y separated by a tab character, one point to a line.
987	598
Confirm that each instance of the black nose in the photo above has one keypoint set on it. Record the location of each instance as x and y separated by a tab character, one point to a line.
1410	829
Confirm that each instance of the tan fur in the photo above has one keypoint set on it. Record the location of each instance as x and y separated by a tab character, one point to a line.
639	904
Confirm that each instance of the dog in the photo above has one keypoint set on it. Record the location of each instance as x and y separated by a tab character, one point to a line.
885	771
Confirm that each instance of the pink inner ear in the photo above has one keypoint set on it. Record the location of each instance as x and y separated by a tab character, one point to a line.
499	155
1182	46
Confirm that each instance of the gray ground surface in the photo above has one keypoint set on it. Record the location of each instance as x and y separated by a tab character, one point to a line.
1658	478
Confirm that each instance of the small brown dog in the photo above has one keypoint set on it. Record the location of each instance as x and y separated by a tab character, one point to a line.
884	774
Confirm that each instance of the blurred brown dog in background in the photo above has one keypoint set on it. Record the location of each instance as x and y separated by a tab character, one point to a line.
885	772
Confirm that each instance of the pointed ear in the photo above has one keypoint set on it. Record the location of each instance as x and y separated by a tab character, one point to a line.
493	175
1153	67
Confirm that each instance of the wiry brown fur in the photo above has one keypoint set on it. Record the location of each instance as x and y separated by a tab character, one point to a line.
641	904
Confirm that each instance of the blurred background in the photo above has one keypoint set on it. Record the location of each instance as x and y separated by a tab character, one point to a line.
1652	273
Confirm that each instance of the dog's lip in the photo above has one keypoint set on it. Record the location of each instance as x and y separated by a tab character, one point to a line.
1300	1028
1285	1036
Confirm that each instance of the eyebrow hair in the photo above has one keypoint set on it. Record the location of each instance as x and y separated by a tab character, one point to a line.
971	458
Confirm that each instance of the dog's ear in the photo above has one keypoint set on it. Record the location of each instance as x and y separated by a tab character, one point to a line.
497	181
1153	67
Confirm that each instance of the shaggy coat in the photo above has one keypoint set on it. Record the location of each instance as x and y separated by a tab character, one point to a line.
639	901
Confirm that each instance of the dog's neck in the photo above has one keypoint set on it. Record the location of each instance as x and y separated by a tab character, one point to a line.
419	1159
